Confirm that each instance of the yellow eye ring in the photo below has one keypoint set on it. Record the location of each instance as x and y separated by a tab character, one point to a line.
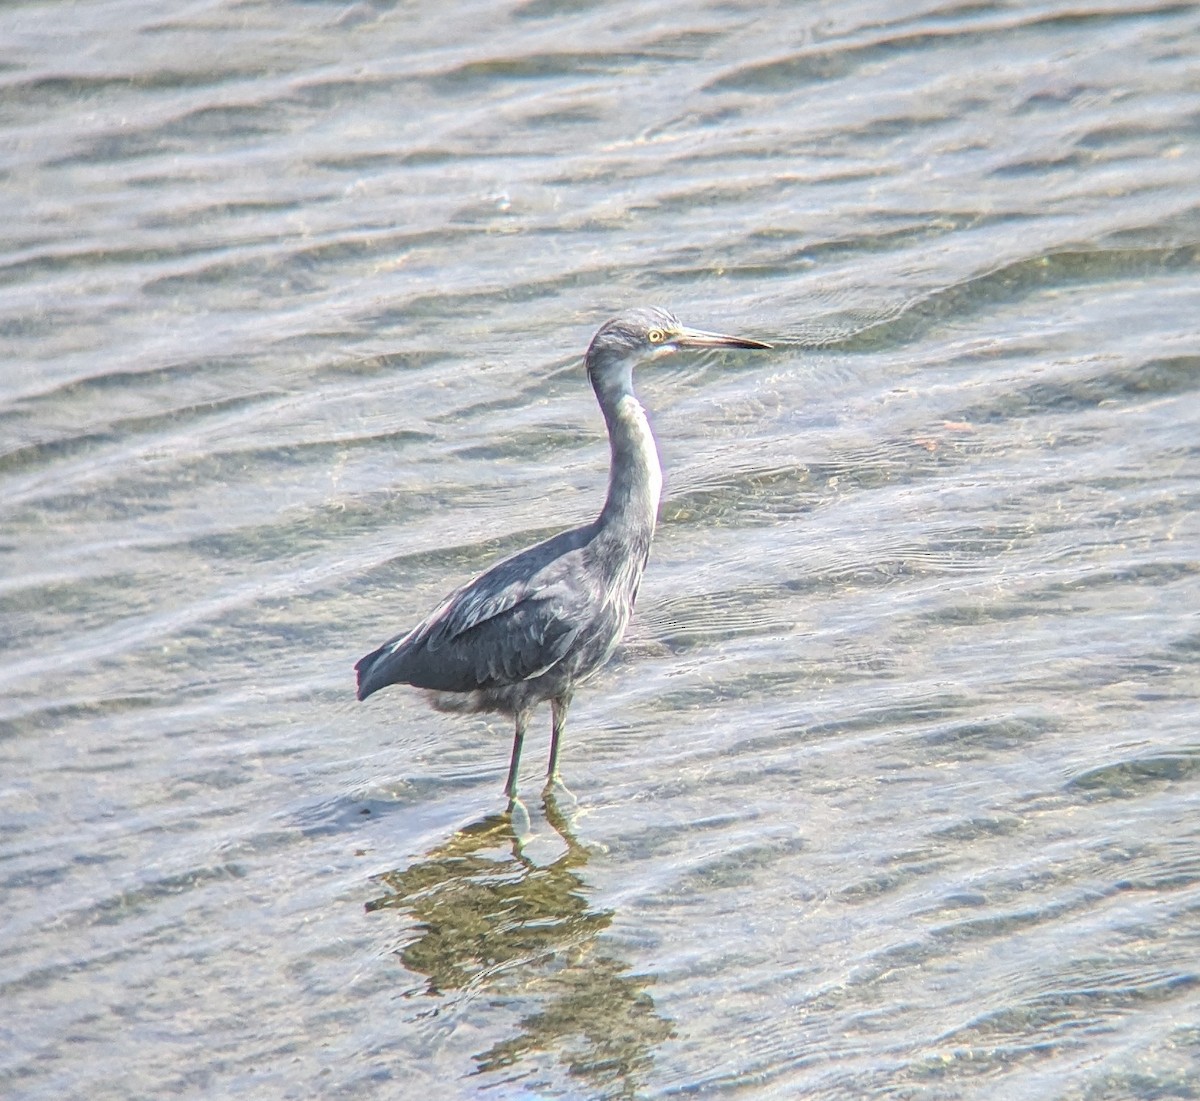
656	336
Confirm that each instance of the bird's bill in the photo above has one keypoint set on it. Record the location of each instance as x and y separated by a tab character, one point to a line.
698	338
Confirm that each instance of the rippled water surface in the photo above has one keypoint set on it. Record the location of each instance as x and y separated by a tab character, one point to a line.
891	790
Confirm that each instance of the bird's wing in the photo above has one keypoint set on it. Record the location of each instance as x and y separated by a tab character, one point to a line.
472	606
505	637
512	623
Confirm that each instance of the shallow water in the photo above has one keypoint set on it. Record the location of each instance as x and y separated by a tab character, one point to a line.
891	790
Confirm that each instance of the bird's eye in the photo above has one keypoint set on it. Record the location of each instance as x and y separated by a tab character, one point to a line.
656	336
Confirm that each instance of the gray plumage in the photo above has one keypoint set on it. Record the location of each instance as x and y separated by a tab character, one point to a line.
541	622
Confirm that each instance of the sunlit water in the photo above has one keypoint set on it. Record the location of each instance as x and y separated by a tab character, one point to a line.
892	790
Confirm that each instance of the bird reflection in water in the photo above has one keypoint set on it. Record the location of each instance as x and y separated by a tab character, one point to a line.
488	918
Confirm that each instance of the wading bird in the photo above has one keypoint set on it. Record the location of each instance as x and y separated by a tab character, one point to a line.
541	622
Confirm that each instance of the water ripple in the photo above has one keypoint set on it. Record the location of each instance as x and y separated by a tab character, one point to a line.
889	791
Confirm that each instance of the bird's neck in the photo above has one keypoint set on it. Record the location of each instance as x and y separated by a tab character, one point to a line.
635	476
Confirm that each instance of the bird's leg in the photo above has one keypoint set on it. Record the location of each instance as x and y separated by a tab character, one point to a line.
510	787
558	708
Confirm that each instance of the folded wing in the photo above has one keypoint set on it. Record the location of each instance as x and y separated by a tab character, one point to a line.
513	623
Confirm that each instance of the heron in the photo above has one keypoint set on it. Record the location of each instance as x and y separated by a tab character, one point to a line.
538	624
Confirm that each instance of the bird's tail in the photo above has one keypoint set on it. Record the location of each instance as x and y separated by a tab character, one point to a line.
374	671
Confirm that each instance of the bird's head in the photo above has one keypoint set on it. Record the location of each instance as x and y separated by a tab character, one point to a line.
643	334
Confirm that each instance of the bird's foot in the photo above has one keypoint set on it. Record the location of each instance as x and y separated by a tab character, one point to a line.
518	816
556	794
